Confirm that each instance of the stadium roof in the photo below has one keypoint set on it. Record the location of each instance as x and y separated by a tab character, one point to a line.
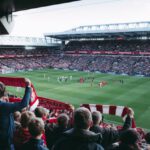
7	7
121	31
62	17
29	4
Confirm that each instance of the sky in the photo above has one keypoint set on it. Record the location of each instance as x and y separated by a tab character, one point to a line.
62	17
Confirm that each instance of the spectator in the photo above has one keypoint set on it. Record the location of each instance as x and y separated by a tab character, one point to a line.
17	118
36	129
41	112
80	137
6	116
53	134
128	141
23	135
109	135
147	138
145	143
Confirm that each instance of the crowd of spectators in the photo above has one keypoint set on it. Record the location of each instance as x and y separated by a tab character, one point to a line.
129	65
23	51
34	131
115	64
110	45
22	129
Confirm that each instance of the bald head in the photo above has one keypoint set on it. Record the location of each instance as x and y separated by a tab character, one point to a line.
82	118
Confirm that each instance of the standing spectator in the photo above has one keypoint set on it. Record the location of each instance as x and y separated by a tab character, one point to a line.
22	135
145	144
147	138
36	129
6	116
52	135
109	135
17	118
42	113
128	141
79	137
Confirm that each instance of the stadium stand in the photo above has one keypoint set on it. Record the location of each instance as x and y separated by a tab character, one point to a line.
123	59
127	57
56	108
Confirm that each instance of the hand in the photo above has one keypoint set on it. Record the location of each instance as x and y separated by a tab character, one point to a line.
28	82
72	107
131	112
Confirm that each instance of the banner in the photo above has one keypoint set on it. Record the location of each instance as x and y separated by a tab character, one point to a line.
107	52
21	56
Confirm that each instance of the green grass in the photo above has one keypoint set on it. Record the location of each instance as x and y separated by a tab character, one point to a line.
134	93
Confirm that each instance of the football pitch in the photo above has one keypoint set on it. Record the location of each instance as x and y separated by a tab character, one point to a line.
134	92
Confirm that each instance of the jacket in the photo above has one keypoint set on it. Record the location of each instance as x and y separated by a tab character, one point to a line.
34	144
110	135
7	119
79	139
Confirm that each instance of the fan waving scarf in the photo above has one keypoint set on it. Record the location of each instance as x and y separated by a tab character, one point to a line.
20	82
120	111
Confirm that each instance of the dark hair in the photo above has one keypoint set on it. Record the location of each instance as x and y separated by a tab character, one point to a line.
147	138
63	120
130	137
40	111
82	118
36	127
2	89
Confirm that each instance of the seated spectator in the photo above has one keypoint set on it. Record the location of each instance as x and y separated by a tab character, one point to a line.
36	129
23	135
6	115
80	137
109	135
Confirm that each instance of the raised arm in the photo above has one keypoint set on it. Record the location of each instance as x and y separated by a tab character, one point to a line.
128	120
12	107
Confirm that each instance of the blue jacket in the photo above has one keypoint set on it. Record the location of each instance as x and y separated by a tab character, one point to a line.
34	144
7	119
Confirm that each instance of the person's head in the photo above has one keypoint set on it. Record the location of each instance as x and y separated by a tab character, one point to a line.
41	112
96	117
36	127
147	138
63	120
129	137
82	118
26	117
17	116
2	89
